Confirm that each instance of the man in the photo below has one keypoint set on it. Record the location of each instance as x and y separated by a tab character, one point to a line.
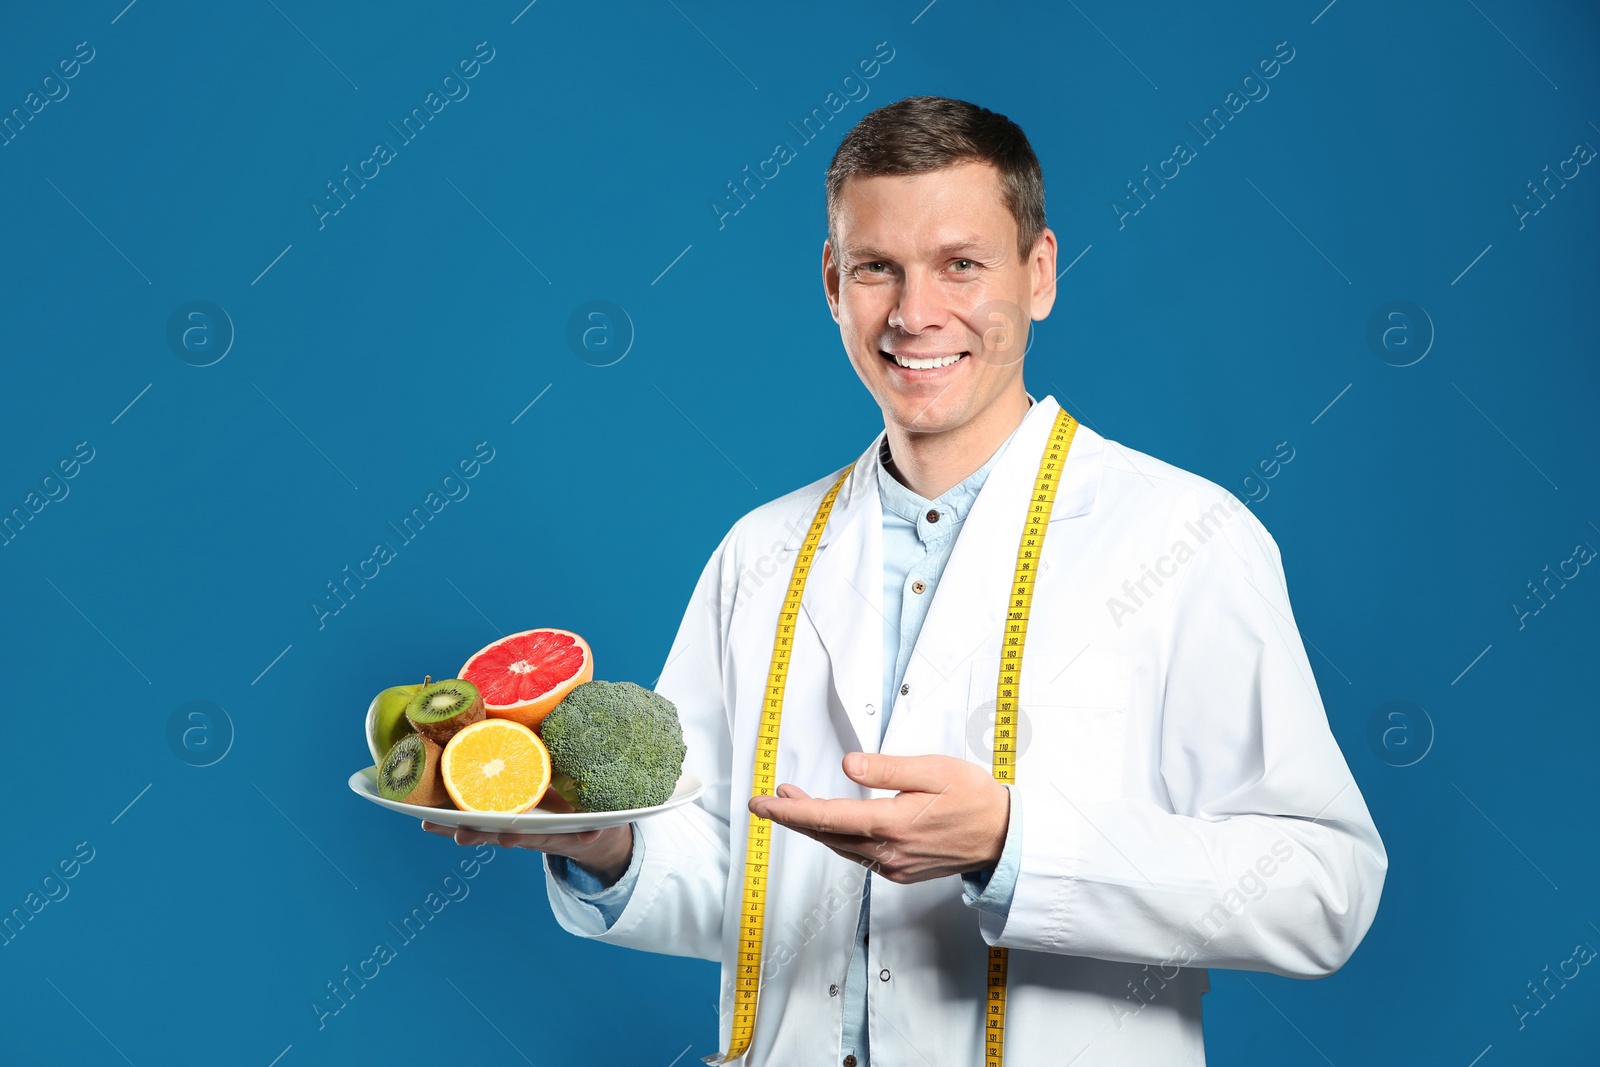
1178	800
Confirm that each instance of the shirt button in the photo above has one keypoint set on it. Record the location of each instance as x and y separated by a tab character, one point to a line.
833	991
919	587
871	710
905	689
933	515
883	975
849	1061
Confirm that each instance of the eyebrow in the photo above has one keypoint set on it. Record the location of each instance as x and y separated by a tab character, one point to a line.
968	243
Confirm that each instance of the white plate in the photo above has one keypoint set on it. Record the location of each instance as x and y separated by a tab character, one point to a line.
364	783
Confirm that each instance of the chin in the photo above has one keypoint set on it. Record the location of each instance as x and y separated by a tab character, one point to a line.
923	418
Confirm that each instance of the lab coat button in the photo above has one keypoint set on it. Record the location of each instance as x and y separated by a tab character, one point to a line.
871	710
919	587
905	689
833	991
883	975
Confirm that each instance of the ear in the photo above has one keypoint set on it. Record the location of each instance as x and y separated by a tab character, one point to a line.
1042	269
830	278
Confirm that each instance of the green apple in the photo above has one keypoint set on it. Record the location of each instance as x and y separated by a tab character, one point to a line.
386	718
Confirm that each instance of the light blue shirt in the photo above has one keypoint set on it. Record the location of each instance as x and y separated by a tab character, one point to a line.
918	537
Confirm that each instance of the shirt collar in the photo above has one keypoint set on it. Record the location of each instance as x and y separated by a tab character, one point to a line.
942	517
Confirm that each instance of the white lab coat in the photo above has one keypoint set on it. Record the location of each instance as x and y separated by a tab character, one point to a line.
1183	803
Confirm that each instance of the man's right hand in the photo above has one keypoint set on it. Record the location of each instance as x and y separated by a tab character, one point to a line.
604	853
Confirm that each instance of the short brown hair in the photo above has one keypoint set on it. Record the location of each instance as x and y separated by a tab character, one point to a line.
924	133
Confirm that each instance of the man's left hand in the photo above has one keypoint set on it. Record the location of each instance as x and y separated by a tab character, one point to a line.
949	816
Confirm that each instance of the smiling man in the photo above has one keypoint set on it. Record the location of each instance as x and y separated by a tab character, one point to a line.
1006	824
932	281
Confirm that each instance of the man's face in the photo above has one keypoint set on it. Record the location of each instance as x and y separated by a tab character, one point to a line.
928	270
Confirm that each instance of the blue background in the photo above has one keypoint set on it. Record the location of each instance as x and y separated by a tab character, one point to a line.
373	351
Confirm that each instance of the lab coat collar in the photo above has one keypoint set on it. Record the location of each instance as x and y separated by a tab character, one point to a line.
844	591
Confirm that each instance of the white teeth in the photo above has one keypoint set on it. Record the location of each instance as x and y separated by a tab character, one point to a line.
911	363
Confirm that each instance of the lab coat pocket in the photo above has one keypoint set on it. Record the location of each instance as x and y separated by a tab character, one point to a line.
1072	725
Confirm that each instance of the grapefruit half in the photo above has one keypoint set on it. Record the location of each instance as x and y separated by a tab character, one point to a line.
524	676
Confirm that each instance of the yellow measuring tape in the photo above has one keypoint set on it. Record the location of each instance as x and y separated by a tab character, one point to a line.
1006	704
758	842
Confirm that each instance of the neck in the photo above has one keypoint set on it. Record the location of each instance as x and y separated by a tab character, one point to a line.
929	464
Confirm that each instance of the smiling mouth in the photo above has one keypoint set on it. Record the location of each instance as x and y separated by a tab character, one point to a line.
923	362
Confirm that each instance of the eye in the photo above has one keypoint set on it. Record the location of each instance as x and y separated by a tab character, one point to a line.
962	266
875	269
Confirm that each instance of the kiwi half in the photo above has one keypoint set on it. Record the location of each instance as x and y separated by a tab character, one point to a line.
441	709
410	773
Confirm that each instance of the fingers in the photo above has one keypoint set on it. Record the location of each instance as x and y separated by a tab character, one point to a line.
861	831
848	817
881	858
556	843
854	847
460	836
559	844
915	774
862	850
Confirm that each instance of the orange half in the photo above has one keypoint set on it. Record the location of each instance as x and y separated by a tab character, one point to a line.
495	765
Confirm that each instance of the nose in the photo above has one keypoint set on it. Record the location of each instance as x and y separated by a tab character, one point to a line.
920	305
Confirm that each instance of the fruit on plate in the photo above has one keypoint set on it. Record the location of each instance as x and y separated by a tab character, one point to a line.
495	765
524	676
621	744
439	710
410	773
386	718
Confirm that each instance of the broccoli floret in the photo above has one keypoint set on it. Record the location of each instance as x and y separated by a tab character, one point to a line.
620	743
